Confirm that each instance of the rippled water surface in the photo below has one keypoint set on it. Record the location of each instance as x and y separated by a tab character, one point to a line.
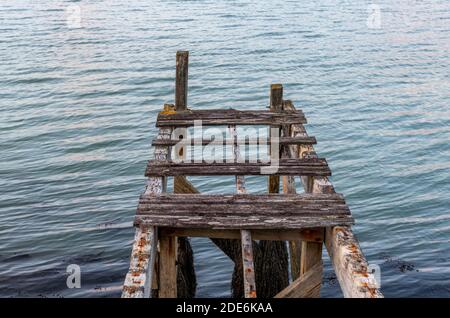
78	108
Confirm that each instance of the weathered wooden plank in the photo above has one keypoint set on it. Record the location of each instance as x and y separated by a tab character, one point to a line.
246	237
276	103
225	117
346	256
295	252
304	167
311	235
181	80
167	267
140	274
275	222
350	264
306	286
248	141
311	254
248	266
243	198
140	277
294	245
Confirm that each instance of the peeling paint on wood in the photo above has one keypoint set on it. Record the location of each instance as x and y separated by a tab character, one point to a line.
246	238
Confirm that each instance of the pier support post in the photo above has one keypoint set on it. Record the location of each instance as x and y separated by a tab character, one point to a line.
168	267
276	104
185	280
181	80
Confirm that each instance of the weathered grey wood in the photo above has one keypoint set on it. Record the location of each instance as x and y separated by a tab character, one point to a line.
186	277
167	267
253	141
215	117
246	237
140	277
181	80
307	286
294	245
240	181
311	235
266	202
345	253
276	97
243	211
140	274
350	265
268	254
276	103
279	270
248	267
300	167
273	222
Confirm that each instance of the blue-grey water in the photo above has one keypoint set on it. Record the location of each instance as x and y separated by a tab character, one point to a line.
79	96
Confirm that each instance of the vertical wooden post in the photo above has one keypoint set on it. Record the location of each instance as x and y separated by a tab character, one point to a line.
167	250
248	267
181	80
167	267
246	237
311	252
168	245
276	104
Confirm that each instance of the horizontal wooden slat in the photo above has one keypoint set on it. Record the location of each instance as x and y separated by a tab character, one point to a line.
230	117
295	167
243	211
309	235
253	141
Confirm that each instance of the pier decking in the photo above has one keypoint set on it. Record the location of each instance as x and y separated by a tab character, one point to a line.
306	221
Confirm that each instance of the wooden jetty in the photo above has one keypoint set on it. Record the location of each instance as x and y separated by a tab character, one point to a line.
265	234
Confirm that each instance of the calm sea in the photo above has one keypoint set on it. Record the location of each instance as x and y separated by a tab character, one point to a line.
82	82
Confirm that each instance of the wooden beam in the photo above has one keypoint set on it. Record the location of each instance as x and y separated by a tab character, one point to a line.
181	80
305	167
306	286
290	188
276	97
225	117
140	274
248	266
310	235
246	237
243	211
276	102
248	141
350	264
167	267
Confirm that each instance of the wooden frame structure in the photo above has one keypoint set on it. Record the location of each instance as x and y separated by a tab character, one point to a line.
307	221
